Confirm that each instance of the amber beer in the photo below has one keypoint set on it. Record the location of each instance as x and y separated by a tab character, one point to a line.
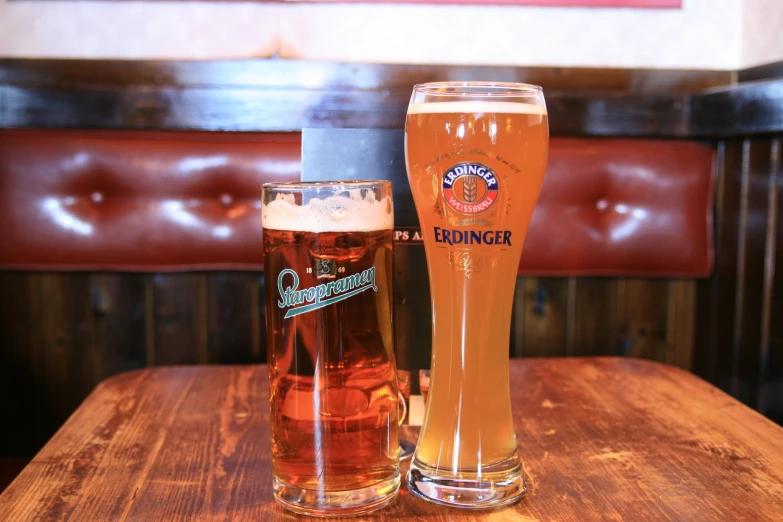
476	157
332	373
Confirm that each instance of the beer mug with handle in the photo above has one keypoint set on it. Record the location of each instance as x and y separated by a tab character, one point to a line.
476	155
332	372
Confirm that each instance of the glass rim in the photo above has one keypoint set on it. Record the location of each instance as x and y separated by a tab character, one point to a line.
336	184
478	88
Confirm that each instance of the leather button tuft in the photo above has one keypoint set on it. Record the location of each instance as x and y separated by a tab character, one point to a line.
602	204
226	200
96	198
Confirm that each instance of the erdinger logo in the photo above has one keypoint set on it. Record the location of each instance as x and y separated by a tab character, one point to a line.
470	188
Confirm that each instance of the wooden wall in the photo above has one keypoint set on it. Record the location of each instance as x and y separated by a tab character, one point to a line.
648	318
739	325
62	333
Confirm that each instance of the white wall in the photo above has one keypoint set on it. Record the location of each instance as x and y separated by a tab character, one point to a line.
762	32
705	34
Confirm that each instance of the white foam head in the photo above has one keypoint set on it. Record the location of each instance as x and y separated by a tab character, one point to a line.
476	107
351	213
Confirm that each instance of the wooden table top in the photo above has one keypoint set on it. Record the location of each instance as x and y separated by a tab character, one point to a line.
602	439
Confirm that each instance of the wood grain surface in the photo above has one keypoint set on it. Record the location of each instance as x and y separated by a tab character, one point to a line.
289	95
602	439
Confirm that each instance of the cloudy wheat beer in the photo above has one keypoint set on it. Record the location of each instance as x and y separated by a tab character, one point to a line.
332	374
476	156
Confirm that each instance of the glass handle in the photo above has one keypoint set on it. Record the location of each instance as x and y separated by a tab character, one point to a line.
401	398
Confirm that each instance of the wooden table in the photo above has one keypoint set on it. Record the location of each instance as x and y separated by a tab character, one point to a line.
602	439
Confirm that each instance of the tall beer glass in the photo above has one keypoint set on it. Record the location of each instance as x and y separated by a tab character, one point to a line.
476	155
332	373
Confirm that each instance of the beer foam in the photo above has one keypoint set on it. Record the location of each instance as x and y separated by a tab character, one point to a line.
351	213
476	107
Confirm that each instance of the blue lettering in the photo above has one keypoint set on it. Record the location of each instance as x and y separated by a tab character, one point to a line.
467	237
354	281
347	286
286	293
446	238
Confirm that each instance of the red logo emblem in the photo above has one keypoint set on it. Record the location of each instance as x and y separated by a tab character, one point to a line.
470	188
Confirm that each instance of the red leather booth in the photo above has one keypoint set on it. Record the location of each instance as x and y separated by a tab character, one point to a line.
155	201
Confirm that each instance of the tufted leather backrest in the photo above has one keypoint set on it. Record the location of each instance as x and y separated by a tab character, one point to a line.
156	201
137	201
613	206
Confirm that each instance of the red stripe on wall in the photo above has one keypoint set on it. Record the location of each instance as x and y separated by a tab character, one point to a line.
543	3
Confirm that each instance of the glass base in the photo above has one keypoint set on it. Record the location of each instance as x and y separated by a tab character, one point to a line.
336	503
500	485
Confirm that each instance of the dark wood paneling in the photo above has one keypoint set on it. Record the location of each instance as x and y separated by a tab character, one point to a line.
322	75
642	313
707	305
544	321
290	110
761	72
594	328
721	293
20	388
180	319
232	317
749	306
67	332
742	110
680	323
66	357
771	389
738	311
118	302
280	95
771	392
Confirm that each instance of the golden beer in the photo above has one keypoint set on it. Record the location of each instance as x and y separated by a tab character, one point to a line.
332	373
476	157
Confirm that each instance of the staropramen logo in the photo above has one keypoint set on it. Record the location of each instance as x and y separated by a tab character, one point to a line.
319	296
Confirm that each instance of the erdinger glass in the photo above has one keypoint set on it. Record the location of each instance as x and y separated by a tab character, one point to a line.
332	373
476	155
